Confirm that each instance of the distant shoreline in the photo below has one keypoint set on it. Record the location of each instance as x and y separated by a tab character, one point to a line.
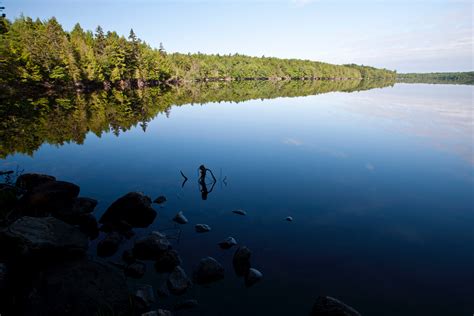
463	78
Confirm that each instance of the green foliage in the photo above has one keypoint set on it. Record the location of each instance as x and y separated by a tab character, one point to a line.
42	53
438	77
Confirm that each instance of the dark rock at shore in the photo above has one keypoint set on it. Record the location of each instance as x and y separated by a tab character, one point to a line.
163	291
88	225
252	277
48	198
178	282
329	306
227	243
122	227
241	261
186	304
79	288
160	200
29	181
180	218
135	270
3	276
109	245
133	208
167	261
202	228
79	207
151	246
44	236
127	257
208	271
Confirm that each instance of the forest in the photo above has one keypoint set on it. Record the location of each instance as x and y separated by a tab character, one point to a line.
37	53
438	77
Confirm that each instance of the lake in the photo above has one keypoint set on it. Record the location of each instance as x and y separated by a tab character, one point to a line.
379	183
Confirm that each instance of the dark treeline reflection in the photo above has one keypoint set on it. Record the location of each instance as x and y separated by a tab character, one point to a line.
29	121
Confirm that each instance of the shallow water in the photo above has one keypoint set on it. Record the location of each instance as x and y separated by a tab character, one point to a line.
379	182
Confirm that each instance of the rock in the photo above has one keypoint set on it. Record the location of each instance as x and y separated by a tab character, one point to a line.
160	200
167	261
178	282
79	288
180	218
135	270
240	212
88	225
187	304
146	294
158	312
228	243
252	277
208	271
44	236
79	207
133	208
163	291
8	198
109	245
329	306
151	246
3	276
48	198
121	227
202	228
241	261
289	219
29	181
127	257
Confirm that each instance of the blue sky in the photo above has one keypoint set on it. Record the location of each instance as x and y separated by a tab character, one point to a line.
409	36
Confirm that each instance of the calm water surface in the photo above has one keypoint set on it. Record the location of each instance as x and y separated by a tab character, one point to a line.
380	185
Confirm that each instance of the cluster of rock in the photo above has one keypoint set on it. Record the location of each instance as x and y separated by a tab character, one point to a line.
51	226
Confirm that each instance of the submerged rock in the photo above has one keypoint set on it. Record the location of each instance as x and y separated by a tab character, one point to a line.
289	219
178	282
329	306
133	208
167	261
252	277
240	212
227	243
202	228
44	236
79	288
135	270
186	304
160	200
241	261
151	246
208	271
180	218
109	245
29	181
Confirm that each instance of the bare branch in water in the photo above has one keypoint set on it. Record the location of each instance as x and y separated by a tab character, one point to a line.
185	178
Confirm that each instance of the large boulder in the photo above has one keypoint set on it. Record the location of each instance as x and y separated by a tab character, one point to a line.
44	236
208	271
29	181
109	245
134	208
151	247
329	306
178	282
167	261
79	288
241	261
48	198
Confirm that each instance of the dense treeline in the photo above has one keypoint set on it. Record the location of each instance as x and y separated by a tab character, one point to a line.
438	77
42	53
28	122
